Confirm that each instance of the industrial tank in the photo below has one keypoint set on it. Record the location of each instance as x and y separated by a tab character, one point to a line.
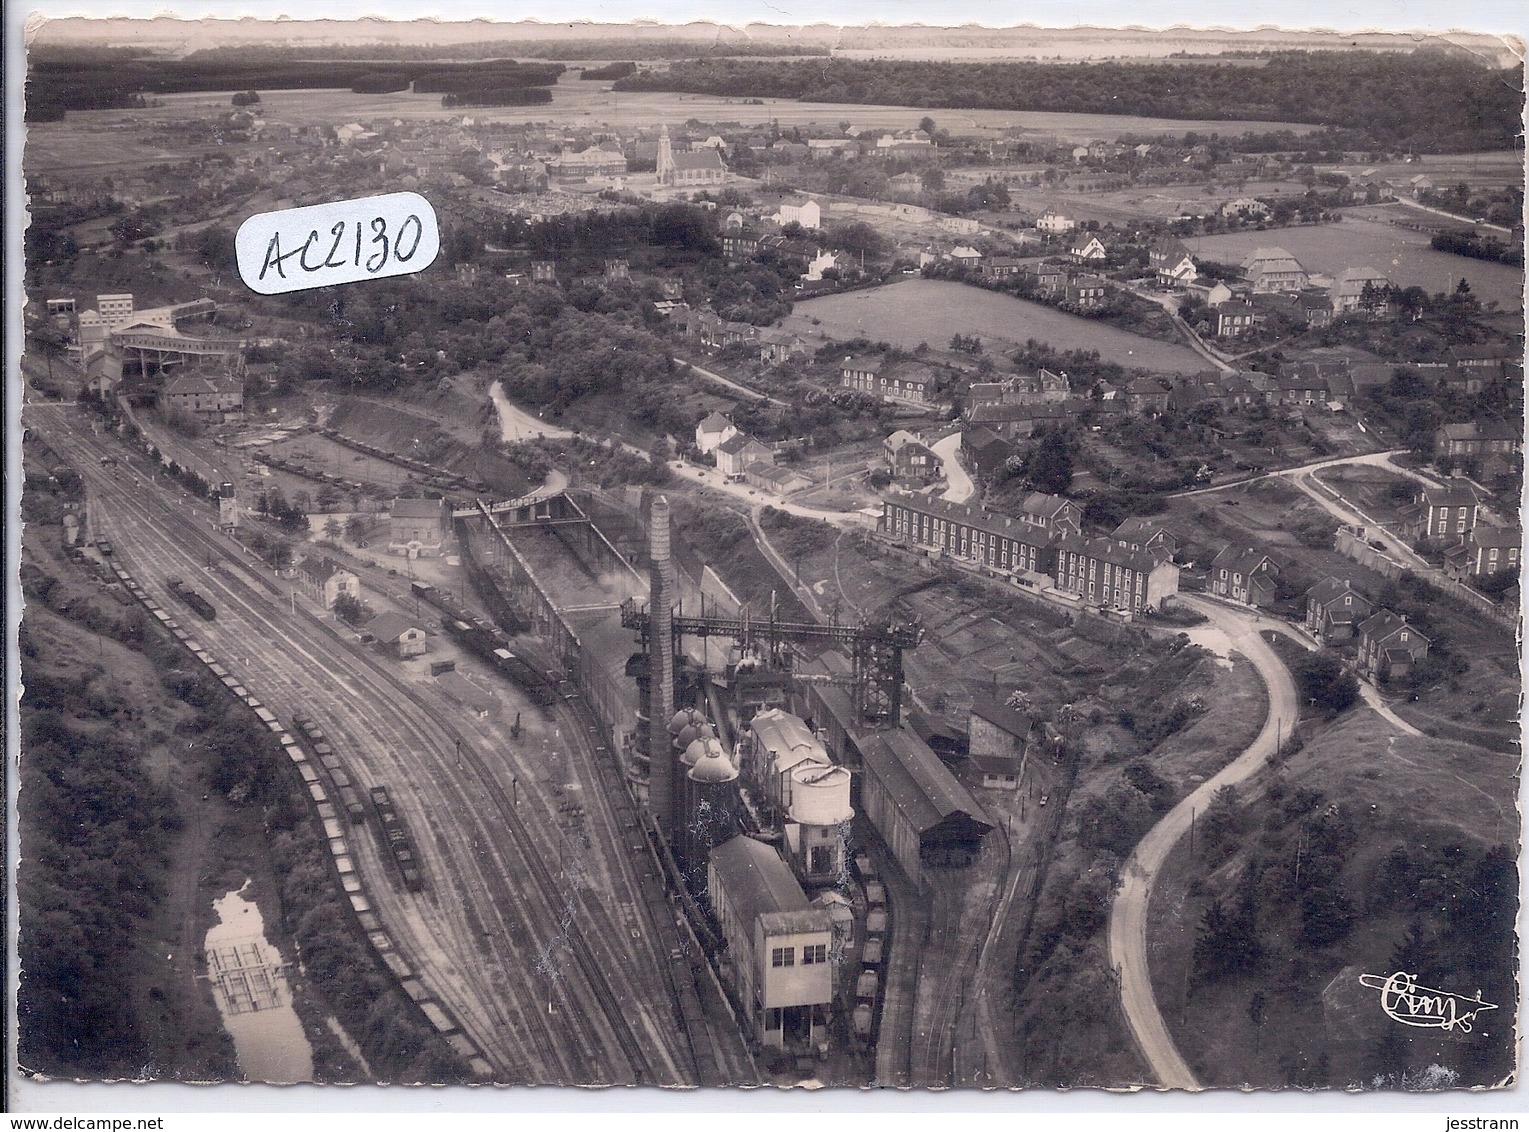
820	795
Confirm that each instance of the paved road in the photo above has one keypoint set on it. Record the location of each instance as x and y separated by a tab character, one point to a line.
959	486
1128	914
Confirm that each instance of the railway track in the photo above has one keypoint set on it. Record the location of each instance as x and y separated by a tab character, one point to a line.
464	811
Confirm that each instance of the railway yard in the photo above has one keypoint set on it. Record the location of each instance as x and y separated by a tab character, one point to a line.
527	852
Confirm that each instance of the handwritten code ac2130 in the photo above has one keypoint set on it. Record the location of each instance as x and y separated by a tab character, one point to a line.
341	242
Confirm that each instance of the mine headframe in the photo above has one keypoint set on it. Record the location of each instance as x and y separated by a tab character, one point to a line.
875	647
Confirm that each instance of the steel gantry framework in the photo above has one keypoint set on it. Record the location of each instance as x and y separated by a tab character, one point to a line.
875	648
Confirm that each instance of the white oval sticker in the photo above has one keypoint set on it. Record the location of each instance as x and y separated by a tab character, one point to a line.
340	242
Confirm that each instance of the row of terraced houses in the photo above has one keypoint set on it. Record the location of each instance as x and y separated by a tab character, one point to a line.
1041	547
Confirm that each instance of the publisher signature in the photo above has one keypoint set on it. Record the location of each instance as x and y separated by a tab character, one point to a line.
1403	999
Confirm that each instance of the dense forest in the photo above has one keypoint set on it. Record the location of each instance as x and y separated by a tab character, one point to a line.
100	80
1427	101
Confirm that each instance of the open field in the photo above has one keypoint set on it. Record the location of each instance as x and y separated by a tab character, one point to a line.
58	146
931	310
1359	241
1478	170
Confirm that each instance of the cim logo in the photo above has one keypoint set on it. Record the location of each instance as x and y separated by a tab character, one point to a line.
1405	1001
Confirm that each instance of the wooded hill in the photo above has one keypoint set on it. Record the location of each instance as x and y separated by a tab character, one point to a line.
1426	101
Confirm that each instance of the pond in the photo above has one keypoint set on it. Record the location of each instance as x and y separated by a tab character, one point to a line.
932	310
250	987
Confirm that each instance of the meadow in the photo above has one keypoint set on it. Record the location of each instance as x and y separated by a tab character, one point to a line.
1403	255
931	310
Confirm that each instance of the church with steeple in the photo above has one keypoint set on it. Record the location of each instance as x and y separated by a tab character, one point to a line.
684	169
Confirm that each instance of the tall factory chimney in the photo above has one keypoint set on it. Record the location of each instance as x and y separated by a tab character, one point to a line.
661	675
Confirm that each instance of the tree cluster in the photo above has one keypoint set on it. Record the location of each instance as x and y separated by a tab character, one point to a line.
1393	98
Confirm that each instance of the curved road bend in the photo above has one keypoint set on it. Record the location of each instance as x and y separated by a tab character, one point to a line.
1128	913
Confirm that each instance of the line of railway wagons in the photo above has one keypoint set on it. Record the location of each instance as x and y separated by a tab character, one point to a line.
334	830
490	645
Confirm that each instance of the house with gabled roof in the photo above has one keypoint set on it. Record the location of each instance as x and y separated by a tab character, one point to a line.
326	581
1245	574
1172	263
398	634
1087	248
712	430
1389	648
1440	513
1486	550
735	454
1334	609
1144	534
998	738
1274	269
1051	513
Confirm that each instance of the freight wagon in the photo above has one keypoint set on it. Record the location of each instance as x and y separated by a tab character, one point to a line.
199	604
394	838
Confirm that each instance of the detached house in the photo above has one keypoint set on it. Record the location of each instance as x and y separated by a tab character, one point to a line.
1053	222
326	582
399	635
417	527
1173	264
1086	292
1233	319
1244	574
1054	514
910	459
1274	269
1334	610
1389	648
1087	249
712	431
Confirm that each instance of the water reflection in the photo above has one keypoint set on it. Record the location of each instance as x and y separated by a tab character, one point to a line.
250	987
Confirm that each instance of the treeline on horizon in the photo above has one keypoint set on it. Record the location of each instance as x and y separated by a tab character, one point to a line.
1429	101
563	49
98	80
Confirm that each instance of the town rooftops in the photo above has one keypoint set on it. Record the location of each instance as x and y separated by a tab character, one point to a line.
714	422
855	364
736	443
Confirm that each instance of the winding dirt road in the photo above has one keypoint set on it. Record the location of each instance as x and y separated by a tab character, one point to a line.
1128	914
